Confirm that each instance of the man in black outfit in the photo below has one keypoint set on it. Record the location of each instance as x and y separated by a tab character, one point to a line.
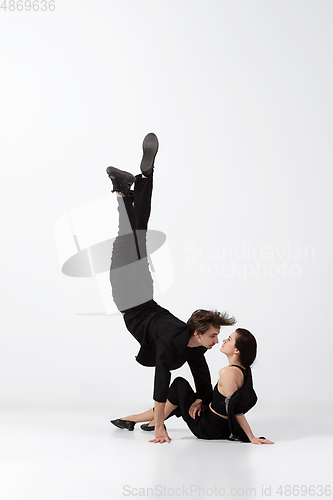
166	341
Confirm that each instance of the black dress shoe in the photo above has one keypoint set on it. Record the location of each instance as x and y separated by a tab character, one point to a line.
121	180
124	424
146	427
150	148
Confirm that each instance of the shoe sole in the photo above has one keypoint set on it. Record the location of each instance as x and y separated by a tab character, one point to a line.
150	148
115	173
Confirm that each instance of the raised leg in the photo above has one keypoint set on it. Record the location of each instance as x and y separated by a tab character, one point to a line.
130	277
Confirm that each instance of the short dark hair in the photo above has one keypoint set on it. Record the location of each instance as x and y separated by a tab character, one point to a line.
201	320
247	345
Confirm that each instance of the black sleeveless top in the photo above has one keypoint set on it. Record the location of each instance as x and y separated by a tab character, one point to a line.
219	401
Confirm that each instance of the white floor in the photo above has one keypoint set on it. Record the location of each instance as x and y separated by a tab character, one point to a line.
62	454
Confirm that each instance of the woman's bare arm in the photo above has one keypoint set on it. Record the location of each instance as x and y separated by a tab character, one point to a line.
228	380
247	429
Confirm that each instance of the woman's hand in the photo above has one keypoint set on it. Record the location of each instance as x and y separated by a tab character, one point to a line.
247	429
260	440
195	408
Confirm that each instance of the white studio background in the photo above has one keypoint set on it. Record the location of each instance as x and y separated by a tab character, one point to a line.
239	94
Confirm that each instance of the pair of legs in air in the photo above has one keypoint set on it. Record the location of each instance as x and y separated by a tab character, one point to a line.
130	277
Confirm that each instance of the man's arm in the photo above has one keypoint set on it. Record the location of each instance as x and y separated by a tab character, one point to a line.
161	388
201	376
161	435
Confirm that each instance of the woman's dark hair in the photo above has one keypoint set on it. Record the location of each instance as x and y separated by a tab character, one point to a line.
201	320
247	346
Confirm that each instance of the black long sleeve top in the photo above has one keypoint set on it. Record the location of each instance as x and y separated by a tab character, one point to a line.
163	339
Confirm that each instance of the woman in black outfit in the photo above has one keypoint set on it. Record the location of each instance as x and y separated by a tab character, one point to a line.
223	417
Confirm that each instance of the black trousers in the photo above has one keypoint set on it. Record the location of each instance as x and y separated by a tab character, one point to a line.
130	276
206	426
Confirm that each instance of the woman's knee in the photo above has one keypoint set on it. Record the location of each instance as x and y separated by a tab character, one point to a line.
178	388
173	392
181	382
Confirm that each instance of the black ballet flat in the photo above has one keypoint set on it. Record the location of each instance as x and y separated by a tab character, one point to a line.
124	424
146	427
